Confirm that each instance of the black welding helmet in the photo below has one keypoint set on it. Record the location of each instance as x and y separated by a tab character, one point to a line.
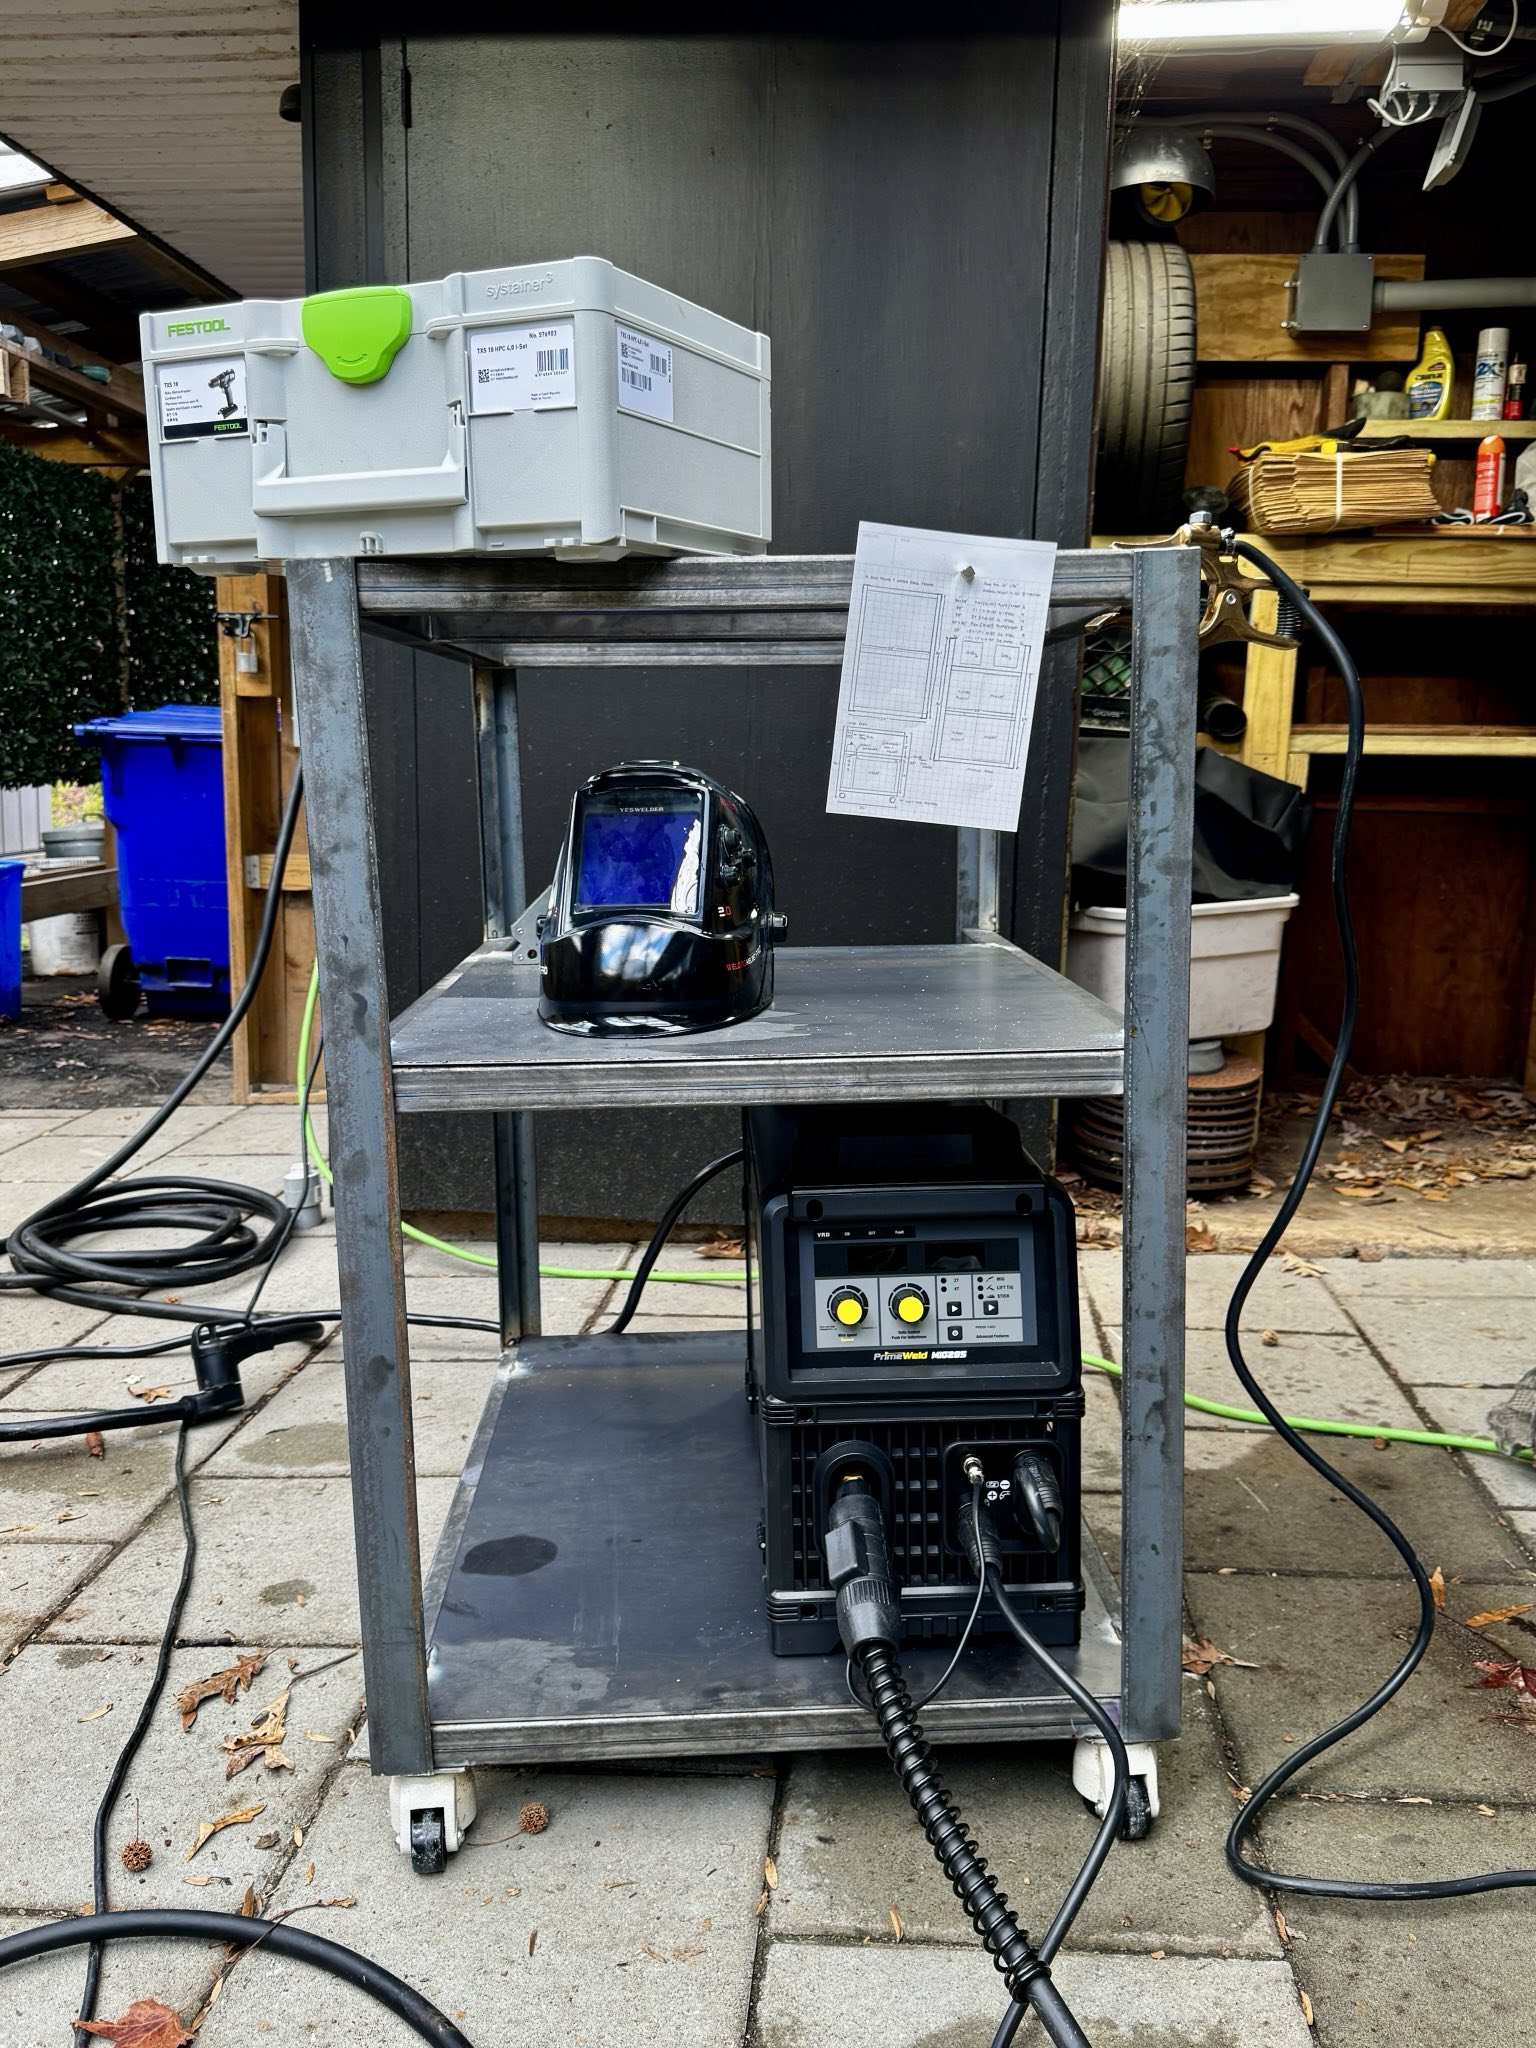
661	917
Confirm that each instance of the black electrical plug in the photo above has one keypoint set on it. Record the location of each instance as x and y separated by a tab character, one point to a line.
974	1526
1037	1500
859	1566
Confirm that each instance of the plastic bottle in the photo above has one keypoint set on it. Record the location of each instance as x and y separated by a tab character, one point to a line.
1488	490
1490	376
1514	393
1429	381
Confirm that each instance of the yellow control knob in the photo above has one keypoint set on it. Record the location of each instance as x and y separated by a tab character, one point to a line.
909	1304
848	1307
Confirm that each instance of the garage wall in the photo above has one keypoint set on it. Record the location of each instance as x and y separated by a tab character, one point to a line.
917	227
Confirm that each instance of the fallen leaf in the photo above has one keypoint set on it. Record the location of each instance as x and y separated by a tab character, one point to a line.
1199	1237
222	1685
896	1927
298	1838
146	2024
19	1529
69	1515
269	1840
309	1873
1306	2007
1269	1337
1437	1586
1201	1655
95	1713
1488	1810
95	1444
762	1902
723	1248
533	1940
210	1828
1156	1955
771	1873
199	1881
313	1735
1519	1678
250	1905
150	1395
1284	1931
1496	1614
1293	1264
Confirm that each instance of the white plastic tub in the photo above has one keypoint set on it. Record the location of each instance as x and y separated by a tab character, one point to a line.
1234	961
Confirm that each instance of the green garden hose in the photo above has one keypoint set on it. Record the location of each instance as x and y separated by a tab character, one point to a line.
1436	1439
729	1276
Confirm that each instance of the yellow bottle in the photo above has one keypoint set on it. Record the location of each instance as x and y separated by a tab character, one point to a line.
1429	382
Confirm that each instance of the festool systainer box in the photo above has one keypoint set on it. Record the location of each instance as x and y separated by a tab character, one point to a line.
565	408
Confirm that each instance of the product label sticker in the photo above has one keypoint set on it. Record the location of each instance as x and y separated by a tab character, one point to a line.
645	375
522	369
203	398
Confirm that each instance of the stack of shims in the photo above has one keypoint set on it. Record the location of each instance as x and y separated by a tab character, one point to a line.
1317	493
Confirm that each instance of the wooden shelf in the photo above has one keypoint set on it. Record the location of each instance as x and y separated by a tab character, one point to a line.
1447	430
1484	742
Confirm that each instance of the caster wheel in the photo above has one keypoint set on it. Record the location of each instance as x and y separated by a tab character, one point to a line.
1137	1824
117	985
429	1842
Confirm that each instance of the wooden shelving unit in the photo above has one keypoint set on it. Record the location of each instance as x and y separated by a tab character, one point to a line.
1447	430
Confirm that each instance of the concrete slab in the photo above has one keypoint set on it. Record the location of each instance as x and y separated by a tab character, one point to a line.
36	1579
87	1141
1281	1299
1423	1279
1464	1412
1251	1505
303	1429
1326	1375
20	1199
55	1492
1439	1972
38	2000
266	1126
275	1565
1101	1511
1446	1340
54	1741
16	1129
630	1919
918	1997
1101	1432
33	1322
850	1851
1321	1645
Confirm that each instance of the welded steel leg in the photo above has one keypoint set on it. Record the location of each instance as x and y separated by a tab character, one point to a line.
328	683
506	896
1161	817
977	860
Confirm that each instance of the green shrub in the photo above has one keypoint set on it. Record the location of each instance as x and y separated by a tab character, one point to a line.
90	623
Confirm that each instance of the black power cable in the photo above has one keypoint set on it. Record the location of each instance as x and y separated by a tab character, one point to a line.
1253	1873
663	1231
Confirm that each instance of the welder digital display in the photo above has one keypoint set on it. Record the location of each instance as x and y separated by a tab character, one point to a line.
642	856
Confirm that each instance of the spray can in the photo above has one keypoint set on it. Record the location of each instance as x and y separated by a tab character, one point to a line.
1514	393
1488	491
1489	378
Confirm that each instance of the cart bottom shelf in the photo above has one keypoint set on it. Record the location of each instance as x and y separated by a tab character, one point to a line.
598	1590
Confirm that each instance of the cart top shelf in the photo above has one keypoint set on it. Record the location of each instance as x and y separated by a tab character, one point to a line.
701	610
871	1023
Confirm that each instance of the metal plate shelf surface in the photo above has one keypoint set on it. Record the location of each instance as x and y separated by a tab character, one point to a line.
873	1023
598	1590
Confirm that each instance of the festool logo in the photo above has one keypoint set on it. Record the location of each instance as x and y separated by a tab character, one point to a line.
196	327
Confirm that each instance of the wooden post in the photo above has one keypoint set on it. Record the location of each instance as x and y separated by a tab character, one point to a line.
256	695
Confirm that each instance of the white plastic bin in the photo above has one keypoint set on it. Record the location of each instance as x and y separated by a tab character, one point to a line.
1234	961
561	408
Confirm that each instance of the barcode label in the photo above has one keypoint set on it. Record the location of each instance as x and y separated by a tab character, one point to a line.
522	369
645	375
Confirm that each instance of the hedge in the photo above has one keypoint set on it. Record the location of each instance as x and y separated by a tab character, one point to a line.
90	623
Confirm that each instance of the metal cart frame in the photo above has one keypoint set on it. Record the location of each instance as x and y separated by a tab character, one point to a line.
995	1024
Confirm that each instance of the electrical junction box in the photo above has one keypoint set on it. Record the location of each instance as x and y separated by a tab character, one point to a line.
564	408
912	1303
1333	293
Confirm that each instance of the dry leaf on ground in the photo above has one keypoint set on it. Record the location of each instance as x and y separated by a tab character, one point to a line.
1437	1586
771	1873
1497	1614
209	1828
1200	1655
1519	1678
896	1927
222	1685
146	2024
264	1739
150	1394
723	1248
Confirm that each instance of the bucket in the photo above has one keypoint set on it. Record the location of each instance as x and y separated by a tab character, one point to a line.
70	944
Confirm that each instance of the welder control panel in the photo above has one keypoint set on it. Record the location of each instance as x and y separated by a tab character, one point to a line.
932	1285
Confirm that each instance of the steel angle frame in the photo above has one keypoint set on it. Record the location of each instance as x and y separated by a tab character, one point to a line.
779	610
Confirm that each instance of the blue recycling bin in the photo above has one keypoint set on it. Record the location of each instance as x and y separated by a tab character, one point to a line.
162	785
10	937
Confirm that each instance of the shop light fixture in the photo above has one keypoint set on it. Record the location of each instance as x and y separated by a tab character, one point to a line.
1259	21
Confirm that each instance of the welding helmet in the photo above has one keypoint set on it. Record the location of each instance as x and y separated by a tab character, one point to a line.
661	917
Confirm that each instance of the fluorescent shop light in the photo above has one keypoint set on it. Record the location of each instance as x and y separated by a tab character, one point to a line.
1253	21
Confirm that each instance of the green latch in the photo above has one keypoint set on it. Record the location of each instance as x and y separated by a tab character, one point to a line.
358	333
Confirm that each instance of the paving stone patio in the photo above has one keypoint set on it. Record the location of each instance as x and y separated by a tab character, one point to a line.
644	1912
